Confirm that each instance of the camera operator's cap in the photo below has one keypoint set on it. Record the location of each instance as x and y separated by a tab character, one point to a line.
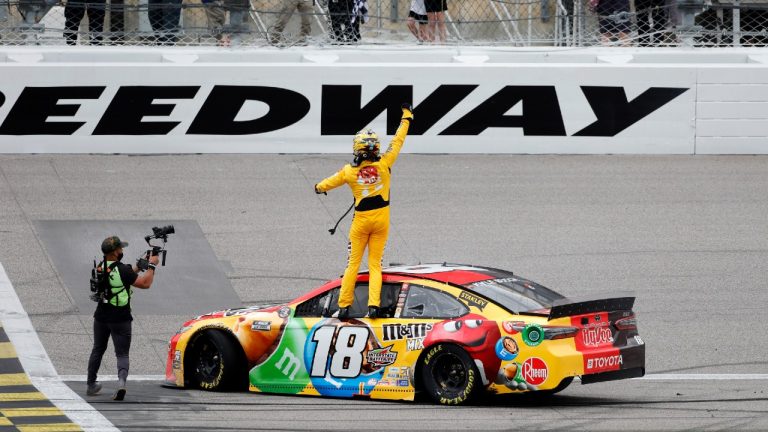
112	244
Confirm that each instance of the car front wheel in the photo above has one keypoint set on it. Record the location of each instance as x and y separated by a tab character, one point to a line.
449	375
214	363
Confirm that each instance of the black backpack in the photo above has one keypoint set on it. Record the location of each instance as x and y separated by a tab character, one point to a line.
101	289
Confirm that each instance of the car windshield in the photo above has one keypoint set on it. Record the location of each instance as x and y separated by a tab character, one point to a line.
516	294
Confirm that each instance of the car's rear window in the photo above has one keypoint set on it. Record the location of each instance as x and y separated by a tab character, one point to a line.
516	294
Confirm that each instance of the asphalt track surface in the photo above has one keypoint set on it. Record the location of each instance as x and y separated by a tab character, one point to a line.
687	234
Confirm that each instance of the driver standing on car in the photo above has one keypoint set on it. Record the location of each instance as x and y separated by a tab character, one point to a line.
369	178
113	315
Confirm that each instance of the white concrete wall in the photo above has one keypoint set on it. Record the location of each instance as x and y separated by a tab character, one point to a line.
591	101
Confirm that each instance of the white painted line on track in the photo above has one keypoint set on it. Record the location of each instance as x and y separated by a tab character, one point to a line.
694	377
38	366
104	378
649	377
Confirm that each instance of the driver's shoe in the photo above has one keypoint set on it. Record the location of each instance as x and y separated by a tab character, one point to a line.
373	311
344	313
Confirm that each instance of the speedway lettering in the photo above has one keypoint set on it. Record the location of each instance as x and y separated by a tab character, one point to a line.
341	109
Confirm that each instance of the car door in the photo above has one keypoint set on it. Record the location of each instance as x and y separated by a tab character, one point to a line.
418	309
319	354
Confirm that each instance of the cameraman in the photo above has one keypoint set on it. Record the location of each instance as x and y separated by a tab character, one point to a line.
113	313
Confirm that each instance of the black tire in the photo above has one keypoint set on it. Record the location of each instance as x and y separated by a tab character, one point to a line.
215	363
449	376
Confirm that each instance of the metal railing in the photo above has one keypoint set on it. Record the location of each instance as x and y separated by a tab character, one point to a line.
464	22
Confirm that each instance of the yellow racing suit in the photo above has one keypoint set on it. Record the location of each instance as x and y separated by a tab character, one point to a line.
370	224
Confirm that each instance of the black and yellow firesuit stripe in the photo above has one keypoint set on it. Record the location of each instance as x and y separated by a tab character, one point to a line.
370	225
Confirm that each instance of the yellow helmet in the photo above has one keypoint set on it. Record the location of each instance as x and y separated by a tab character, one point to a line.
366	144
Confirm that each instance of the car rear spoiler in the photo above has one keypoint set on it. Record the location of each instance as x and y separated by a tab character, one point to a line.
569	307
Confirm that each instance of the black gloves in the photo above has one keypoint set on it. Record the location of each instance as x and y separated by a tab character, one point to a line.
318	192
142	264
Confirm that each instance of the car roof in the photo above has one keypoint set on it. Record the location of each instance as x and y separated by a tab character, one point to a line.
457	274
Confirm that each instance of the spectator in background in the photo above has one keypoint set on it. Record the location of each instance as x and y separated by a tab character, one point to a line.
32	11
436	19
75	10
276	36
614	20
417	20
164	16
216	16
652	19
342	28
116	22
4	8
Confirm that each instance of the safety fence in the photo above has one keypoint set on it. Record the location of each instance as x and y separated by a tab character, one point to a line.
462	22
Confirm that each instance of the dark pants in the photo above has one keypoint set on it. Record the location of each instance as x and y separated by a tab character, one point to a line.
342	30
121	338
73	14
652	19
164	17
117	21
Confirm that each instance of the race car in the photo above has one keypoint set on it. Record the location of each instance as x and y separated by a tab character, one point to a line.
446	330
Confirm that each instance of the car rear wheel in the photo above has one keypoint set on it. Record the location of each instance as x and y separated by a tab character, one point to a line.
449	375
215	363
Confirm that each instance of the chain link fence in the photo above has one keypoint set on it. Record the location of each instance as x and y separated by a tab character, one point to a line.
329	22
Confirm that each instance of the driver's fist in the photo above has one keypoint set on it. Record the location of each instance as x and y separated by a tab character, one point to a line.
407	110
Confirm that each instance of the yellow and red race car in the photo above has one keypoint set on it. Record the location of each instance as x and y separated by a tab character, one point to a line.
450	331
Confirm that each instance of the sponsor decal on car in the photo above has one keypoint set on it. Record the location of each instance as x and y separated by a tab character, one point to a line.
261	326
533	334
381	356
597	334
506	348
398	372
535	371
473	300
404	331
177	360
603	363
414	334
284	312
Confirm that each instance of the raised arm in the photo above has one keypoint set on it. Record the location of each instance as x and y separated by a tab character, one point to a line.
331	182
396	144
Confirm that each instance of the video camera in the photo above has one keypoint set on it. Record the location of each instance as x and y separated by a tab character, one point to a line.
160	233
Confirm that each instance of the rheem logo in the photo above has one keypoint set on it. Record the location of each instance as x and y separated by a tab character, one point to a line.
535	371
